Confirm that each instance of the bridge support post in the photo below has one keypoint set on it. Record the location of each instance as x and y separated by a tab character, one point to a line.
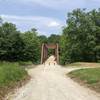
57	53
44	52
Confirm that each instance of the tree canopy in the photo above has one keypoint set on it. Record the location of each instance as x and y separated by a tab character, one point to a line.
16	46
80	40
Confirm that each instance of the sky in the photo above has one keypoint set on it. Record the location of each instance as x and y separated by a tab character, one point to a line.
47	16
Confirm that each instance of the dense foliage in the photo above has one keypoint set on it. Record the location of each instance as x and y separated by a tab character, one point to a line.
53	39
90	77
32	46
80	40
17	46
11	73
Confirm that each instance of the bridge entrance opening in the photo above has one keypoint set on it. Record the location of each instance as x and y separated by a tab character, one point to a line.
45	52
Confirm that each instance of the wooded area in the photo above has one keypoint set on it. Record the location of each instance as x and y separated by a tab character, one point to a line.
79	41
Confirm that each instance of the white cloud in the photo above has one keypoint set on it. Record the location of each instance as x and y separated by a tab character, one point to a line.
26	18
53	24
54	4
43	24
58	3
45	21
51	3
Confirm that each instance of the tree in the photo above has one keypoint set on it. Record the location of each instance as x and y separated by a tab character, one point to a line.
95	16
80	37
53	38
17	46
32	46
0	21
43	39
10	42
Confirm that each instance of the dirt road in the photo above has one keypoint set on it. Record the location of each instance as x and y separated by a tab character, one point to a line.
49	82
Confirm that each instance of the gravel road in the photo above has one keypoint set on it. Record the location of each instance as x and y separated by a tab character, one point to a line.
49	82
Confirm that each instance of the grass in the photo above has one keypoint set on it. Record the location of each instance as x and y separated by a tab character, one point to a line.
89	77
10	75
23	63
83	64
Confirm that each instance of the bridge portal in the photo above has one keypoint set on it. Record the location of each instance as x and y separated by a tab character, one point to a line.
44	52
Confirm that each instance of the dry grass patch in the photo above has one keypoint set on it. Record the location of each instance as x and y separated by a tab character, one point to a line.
89	77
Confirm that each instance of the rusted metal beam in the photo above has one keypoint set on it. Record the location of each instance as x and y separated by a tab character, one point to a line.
44	52
57	53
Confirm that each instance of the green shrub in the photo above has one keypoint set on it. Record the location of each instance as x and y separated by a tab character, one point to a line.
11	73
90	75
23	63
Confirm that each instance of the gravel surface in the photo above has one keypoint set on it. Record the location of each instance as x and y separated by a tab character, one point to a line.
49	82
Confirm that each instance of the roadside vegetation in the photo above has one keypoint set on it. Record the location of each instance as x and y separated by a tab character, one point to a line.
23	63
78	42
11	75
80	39
18	51
83	64
89	77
